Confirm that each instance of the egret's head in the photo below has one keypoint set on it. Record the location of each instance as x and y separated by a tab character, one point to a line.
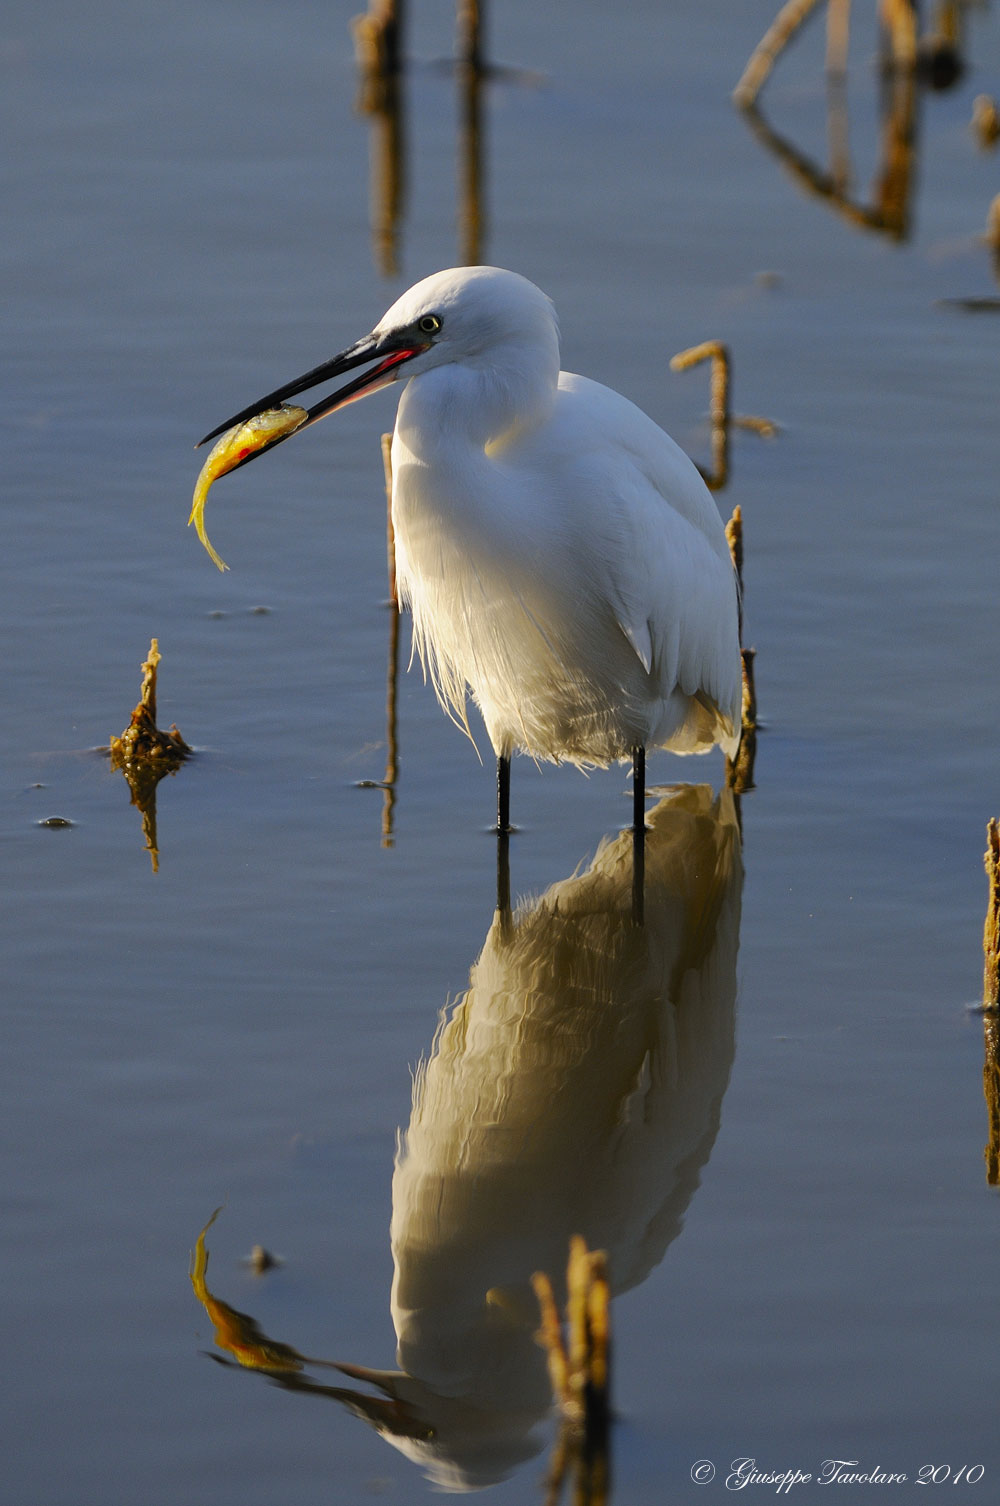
475	316
468	314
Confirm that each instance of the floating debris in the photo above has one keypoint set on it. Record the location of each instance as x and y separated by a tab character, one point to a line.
145	754
260	1260
580	1372
56	821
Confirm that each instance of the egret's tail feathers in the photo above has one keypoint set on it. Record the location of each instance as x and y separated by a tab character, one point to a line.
704	726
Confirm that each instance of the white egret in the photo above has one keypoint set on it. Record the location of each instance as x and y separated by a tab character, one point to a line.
563	560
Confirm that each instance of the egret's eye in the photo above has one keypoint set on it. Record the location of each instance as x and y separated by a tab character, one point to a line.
429	324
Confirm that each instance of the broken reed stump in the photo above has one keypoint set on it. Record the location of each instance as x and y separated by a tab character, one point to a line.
991	930
721	418
142	744
739	770
580	1372
991	1002
718	408
145	754
734	538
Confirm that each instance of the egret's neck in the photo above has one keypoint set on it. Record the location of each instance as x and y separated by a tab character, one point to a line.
467	406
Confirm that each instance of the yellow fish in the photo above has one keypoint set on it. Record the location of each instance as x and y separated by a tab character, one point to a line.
239	442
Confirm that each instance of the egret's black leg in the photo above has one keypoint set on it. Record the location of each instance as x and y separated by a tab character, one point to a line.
503	795
638	789
638	833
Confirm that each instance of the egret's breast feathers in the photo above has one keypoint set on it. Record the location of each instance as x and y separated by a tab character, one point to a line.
574	577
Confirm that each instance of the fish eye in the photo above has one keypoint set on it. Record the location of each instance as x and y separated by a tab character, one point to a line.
429	324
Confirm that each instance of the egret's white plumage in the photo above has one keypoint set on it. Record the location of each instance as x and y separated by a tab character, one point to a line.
563	559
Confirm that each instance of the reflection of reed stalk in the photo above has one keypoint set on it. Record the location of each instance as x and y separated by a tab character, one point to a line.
838	36
390	537
470	33
991	1002
378	46
391	756
899	24
991	1092
470	70
391	748
378	37
902	54
470	216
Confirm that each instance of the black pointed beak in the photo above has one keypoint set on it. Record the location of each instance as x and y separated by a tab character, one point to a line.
389	352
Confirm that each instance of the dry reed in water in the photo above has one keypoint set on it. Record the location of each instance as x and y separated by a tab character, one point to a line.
580	1372
991	930
145	754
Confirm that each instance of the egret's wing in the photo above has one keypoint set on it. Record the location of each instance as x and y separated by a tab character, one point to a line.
658	551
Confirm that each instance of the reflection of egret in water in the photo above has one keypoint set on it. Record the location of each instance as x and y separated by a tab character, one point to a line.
574	1088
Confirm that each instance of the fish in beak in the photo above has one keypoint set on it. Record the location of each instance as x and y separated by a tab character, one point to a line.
270	420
